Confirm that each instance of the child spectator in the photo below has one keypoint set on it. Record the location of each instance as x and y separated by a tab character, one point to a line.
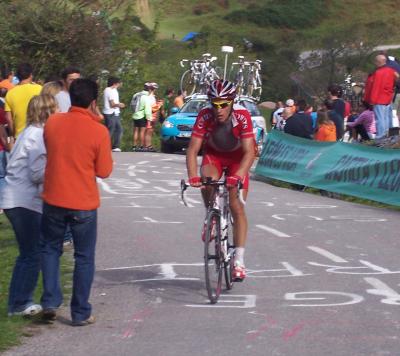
326	129
364	125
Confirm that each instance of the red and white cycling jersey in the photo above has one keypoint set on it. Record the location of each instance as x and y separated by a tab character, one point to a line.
225	137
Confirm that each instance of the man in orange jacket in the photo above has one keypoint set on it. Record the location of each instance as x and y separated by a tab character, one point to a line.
78	150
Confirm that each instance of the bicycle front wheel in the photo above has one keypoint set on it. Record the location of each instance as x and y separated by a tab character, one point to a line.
188	83
213	259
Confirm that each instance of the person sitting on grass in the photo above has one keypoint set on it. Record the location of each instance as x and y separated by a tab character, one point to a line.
326	129
364	125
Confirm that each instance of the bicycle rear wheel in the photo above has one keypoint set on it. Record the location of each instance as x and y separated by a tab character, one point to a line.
213	261
188	83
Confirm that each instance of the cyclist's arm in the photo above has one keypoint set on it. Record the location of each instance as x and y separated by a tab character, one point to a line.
191	155
248	157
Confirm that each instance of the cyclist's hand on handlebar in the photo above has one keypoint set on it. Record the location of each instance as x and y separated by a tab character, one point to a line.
195	182
233	181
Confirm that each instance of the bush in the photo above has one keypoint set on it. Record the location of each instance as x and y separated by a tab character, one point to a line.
288	14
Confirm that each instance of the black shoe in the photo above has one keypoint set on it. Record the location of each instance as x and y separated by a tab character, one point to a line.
49	315
149	149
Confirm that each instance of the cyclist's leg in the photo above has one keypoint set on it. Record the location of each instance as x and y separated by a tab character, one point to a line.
239	217
210	167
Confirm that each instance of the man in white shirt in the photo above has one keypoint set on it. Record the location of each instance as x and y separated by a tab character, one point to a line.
68	75
111	110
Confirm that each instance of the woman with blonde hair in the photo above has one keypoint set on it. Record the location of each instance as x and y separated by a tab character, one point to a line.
326	129
21	200
52	88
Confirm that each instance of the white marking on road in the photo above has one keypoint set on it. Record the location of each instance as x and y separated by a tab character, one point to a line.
140	171
247	302
272	231
382	289
153	265
150	219
358	218
272	273
327	254
131	172
316	218
188	205
312	206
354	298
375	267
168	271
106	187
279	216
143	162
166	167
156	172
194	201
167	159
267	203
162	189
142	181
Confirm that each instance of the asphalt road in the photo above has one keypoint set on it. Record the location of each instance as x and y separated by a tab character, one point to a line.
323	275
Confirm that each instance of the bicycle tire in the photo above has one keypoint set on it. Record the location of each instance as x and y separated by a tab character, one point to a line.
228	266
188	83
213	263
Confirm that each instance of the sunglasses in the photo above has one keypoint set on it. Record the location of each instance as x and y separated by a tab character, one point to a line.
221	104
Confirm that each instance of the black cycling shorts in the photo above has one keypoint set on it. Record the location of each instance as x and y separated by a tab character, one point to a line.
140	122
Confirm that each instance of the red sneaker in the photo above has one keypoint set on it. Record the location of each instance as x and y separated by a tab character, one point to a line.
239	272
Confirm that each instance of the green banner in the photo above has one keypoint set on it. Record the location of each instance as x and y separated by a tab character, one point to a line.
357	170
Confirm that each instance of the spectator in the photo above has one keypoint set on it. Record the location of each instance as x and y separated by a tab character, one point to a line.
52	88
71	197
7	82
141	105
326	129
22	204
290	104
17	99
364	124
310	111
150	124
286	114
393	63
111	110
180	99
165	109
335	117
379	91
276	115
338	104
68	75
299	124
3	93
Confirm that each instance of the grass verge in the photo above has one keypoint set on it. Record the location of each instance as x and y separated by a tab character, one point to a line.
14	328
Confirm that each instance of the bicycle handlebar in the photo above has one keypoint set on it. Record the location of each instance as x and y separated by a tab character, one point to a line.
207	181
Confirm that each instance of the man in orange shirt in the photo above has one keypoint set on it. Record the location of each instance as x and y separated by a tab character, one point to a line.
78	150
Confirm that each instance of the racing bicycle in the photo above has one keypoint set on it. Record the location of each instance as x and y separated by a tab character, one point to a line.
254	83
219	251
201	73
238	77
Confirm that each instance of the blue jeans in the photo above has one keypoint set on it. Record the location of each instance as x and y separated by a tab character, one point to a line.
383	119
83	224
113	123
26	225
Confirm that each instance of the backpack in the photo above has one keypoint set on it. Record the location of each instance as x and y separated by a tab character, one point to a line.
135	102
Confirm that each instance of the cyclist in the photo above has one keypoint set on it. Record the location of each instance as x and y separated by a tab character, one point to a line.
225	134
